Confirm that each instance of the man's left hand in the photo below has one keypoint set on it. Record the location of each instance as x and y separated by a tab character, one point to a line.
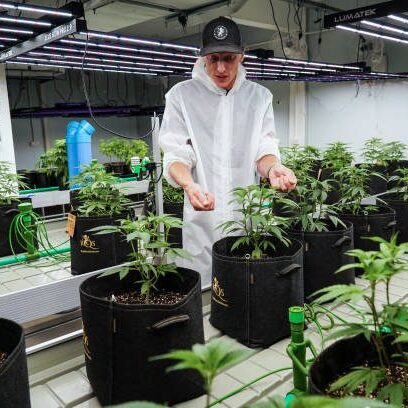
282	178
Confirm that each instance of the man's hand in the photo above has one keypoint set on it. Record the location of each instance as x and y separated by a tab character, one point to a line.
200	201
282	178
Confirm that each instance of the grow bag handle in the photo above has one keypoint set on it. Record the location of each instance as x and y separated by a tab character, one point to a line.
170	321
341	241
290	268
390	225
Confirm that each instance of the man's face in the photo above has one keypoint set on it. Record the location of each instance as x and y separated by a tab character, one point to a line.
223	67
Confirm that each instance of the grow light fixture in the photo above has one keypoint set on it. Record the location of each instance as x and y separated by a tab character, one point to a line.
16	31
71	64
34	9
124	38
366	13
26	21
11	39
80	68
372	34
398	18
107	60
385	27
317	64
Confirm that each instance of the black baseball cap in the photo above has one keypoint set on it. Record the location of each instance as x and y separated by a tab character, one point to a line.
221	35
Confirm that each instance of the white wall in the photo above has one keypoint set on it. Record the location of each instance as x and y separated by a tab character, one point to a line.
349	113
352	111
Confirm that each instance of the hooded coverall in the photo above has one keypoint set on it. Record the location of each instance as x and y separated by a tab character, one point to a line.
220	135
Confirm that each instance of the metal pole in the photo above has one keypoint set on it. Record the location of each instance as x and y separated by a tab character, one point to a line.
158	187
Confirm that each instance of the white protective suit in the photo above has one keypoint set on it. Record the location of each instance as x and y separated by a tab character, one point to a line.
219	135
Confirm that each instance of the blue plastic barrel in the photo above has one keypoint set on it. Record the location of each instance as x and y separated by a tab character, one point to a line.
84	144
70	139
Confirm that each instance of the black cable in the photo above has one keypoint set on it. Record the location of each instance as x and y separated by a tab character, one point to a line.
90	107
71	89
101	100
280	34
58	92
20	91
296	17
288	17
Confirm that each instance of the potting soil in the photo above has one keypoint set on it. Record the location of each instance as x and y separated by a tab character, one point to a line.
395	375
3	357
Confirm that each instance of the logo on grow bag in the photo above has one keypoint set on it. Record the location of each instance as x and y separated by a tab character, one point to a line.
218	293
89	245
85	338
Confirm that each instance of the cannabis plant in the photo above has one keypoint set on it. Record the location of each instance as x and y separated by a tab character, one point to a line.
97	193
395	151
381	324
401	183
313	214
301	159
122	149
109	147
171	194
55	161
354	187
336	156
138	148
374	151
148	237
207	359
10	183
257	220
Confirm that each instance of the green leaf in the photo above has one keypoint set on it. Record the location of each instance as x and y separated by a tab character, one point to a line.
368	376
395	393
339	293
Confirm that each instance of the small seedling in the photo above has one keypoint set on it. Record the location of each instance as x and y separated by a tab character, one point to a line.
207	359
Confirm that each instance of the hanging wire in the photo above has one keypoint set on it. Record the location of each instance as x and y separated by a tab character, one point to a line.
277	26
85	90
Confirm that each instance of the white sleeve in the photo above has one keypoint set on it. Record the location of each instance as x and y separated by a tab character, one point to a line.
174	139
268	144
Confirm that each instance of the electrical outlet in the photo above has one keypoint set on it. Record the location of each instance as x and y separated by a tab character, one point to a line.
34	143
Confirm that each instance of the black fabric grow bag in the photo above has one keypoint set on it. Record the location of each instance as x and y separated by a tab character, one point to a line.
14	390
339	358
401	210
120	339
376	184
380	223
7	213
41	179
118	167
175	234
324	253
29	178
250	297
90	252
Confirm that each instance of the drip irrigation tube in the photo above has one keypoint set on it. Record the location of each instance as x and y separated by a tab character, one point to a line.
30	257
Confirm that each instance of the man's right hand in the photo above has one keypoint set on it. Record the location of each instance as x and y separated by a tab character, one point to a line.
199	200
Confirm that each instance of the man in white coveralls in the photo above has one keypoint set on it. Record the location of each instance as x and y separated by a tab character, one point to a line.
218	133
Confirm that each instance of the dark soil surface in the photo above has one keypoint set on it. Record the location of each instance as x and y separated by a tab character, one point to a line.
156	298
3	357
397	374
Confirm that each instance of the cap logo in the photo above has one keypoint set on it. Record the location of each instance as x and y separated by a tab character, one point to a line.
220	32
